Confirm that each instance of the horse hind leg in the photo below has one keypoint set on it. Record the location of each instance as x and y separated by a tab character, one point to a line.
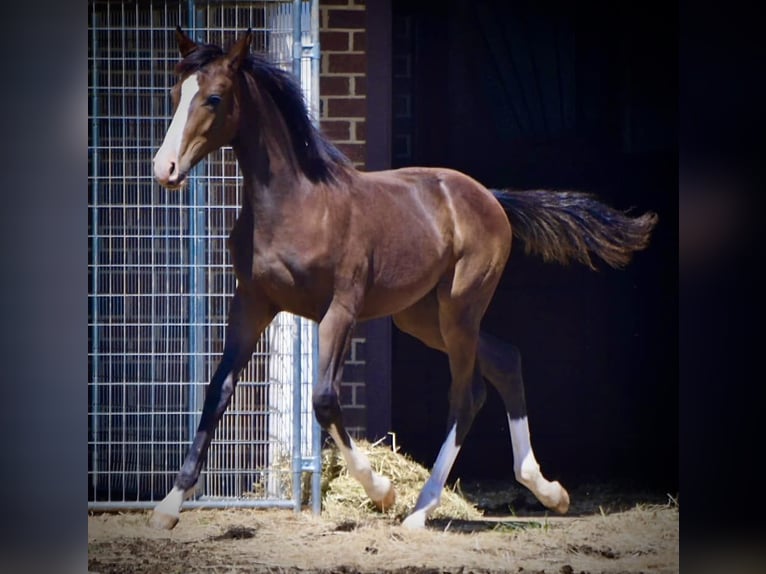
451	327
500	364
248	317
465	403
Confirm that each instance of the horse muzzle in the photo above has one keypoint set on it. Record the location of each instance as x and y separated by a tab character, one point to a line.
168	174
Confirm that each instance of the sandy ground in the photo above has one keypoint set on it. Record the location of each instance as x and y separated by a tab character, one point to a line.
608	530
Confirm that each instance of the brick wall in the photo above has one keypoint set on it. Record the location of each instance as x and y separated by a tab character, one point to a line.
343	111
343	75
352	387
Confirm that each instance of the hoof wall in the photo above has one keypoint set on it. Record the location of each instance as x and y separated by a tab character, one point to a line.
415	521
563	506
162	521
388	500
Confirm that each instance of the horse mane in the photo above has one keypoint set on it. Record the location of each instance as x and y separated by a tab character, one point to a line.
317	157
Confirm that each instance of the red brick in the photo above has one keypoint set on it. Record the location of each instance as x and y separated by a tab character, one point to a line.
360	85
333	41
346	108
360	332
360	131
353	373
346	18
334	86
336	130
354	417
360	41
352	394
357	153
360	395
347	63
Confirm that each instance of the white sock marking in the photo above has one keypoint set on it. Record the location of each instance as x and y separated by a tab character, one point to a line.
375	485
171	504
526	467
429	497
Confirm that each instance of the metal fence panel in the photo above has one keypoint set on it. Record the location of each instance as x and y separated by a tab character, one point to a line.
160	279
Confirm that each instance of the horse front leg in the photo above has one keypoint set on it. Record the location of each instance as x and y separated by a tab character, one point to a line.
334	337
248	317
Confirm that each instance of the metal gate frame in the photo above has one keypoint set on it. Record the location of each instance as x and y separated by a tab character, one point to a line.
160	279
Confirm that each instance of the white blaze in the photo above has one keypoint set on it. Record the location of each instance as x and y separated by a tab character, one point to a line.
168	152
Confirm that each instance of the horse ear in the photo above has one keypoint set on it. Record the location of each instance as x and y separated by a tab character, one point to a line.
185	44
241	49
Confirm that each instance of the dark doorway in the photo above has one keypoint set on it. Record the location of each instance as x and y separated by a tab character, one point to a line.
553	95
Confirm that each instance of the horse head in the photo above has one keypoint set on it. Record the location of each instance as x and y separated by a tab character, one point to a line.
206	112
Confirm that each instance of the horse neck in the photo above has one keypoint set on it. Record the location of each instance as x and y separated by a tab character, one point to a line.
264	153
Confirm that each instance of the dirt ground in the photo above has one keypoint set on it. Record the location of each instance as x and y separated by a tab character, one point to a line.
609	529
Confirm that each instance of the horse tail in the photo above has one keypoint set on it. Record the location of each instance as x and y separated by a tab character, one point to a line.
561	226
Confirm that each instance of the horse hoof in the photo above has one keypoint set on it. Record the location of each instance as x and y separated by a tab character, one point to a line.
563	506
415	521
162	521
388	500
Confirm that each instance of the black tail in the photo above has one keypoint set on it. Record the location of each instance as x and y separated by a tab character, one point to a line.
564	225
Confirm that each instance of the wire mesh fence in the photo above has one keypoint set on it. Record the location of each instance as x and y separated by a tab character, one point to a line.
160	278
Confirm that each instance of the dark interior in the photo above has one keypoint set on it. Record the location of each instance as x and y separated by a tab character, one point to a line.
553	95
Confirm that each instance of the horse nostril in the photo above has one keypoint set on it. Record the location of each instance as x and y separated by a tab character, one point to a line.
172	168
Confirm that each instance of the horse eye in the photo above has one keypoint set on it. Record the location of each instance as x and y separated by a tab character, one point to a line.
213	100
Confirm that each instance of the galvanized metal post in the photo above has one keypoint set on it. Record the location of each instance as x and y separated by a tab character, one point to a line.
95	253
316	431
296	415
297	39
316	436
197	255
297	390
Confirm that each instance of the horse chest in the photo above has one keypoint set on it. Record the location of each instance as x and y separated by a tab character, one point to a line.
291	281
270	269
264	257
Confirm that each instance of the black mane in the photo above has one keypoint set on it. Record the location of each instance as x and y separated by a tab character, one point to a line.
198	58
317	157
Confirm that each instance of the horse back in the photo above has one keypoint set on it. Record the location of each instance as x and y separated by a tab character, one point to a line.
454	206
416	224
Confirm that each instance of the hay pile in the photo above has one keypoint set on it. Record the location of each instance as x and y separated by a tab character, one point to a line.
344	499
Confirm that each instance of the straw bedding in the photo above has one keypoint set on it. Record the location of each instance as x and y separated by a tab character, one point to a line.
343	498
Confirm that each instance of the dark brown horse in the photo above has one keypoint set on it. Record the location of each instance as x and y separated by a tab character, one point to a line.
320	239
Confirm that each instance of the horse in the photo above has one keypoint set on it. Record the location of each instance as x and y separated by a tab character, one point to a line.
318	238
